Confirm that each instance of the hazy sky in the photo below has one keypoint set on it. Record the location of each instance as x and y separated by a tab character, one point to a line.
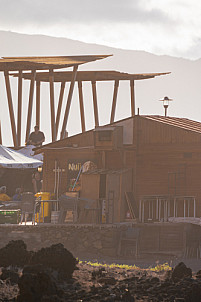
171	27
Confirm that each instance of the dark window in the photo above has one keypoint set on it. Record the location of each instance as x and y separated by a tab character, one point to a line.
187	155
105	136
102	192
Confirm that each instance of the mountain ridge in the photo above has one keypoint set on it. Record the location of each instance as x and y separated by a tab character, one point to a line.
95	45
182	85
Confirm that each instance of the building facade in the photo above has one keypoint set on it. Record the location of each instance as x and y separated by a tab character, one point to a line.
145	156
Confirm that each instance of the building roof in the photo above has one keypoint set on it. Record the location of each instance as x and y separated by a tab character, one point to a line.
106	75
182	123
41	63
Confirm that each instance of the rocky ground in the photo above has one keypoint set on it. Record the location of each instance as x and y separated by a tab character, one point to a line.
53	274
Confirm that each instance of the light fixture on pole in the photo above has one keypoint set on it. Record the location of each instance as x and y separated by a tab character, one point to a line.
166	101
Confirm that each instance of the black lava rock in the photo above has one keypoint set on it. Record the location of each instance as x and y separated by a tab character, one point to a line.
57	258
181	272
33	287
10	274
14	253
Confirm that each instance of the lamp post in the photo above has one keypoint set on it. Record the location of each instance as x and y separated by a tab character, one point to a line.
166	101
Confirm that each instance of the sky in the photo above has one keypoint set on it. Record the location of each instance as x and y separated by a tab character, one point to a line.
161	27
171	27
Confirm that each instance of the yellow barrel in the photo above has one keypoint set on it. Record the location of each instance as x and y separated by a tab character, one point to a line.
45	205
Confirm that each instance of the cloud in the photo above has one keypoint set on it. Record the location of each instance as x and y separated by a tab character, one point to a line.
46	12
193	51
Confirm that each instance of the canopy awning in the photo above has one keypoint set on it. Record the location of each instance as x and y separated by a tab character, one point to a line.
41	63
83	76
12	159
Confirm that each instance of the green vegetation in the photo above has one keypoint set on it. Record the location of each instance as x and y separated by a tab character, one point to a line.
158	268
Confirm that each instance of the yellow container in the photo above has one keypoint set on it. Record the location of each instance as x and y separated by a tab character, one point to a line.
44	205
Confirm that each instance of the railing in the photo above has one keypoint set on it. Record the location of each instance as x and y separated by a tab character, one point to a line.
161	207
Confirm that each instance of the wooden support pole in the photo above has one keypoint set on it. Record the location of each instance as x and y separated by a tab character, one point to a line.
132	98
61	96
94	92
19	108
52	111
0	135
70	94
29	114
114	102
10	106
38	103
81	106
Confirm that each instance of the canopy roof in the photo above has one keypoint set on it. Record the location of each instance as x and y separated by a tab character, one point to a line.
106	75
41	63
14	160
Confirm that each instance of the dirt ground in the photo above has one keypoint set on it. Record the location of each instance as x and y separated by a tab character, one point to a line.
107	282
54	274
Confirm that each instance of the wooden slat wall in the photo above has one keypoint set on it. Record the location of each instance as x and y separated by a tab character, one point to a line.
90	186
85	139
113	184
126	186
171	238
163	238
62	157
158	150
114	160
153	169
163	149
152	132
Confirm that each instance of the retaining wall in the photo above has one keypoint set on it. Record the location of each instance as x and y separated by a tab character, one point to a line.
114	241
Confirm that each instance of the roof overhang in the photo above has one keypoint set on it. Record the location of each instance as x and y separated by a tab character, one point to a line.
41	63
103	75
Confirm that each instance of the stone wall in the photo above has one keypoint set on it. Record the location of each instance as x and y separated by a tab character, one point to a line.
81	240
102	241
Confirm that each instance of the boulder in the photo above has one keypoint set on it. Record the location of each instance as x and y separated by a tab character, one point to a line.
56	257
14	254
181	271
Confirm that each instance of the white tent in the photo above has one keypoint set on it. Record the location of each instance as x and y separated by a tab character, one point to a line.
28	151
12	159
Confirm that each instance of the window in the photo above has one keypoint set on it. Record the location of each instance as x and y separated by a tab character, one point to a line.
105	136
187	155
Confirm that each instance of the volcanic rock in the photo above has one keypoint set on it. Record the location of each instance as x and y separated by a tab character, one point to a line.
57	258
34	286
107	280
10	274
198	275
181	271
14	253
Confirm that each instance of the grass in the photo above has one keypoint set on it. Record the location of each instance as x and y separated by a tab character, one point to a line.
158	268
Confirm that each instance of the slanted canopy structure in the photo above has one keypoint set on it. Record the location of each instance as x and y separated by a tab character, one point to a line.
11	159
83	76
34	64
